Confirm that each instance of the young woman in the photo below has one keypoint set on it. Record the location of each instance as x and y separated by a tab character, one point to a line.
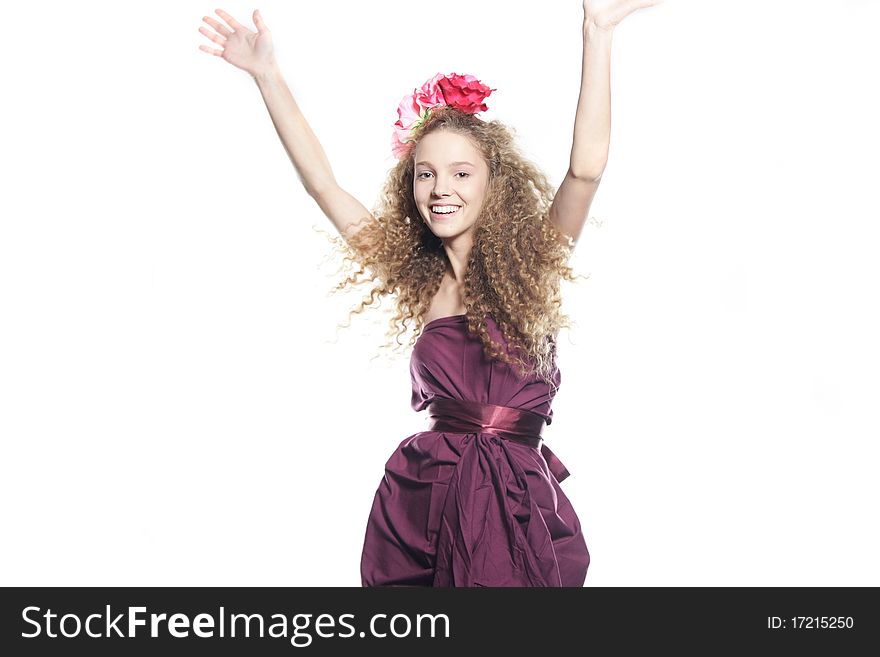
472	242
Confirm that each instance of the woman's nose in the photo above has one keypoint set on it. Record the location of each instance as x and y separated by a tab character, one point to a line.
441	188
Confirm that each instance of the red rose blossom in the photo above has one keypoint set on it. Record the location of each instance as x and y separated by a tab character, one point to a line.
464	92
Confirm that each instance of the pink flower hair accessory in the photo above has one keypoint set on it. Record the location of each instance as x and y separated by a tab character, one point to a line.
463	92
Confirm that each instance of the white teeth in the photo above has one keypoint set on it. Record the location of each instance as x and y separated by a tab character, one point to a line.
444	209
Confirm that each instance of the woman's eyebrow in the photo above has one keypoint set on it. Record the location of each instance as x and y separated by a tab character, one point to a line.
452	164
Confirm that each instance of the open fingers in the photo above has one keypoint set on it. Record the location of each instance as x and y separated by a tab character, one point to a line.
217	25
211	51
229	19
213	37
258	21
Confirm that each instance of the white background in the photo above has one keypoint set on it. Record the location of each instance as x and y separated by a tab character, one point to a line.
176	407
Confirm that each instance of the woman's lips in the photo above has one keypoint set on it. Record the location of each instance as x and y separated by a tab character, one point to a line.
439	215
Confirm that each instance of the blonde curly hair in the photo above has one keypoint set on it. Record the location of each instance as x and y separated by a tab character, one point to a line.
514	269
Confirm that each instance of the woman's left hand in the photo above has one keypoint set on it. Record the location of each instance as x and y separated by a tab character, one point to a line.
606	14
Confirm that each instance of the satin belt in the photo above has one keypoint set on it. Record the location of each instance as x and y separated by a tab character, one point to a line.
517	424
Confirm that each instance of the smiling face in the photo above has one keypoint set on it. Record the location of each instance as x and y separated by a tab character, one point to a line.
450	174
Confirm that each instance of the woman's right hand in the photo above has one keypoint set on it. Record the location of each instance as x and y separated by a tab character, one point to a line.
247	50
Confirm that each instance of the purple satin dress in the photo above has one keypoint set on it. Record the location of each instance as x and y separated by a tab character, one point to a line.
472	508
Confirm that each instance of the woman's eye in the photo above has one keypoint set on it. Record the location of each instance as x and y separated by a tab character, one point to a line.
428	173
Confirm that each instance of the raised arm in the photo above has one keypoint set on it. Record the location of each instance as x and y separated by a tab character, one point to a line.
592	124
253	53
